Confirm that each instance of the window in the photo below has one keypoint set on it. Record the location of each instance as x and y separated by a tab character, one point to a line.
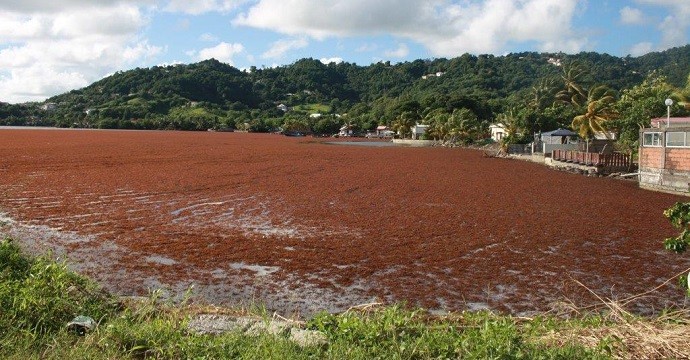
677	139
651	139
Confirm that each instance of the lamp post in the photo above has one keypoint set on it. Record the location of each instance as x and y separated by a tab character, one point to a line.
668	103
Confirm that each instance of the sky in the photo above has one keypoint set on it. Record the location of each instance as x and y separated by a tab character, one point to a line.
49	47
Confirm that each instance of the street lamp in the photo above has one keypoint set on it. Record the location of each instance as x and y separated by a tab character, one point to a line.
668	103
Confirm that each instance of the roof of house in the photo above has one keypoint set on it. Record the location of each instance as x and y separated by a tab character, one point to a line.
559	132
674	121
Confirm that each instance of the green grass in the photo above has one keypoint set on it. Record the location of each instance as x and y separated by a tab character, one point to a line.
39	296
314	108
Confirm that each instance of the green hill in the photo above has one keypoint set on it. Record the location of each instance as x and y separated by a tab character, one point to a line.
160	97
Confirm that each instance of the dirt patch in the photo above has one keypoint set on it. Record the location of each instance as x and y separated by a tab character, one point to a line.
304	226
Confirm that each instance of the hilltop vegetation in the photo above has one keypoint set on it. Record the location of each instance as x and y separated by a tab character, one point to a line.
211	94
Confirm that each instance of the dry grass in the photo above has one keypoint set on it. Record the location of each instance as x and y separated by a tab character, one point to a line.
627	336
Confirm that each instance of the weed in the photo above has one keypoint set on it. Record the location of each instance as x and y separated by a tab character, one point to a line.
39	296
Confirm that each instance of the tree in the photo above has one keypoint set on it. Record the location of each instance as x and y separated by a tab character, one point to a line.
679	216
595	112
541	95
437	121
573	91
463	126
514	127
682	96
637	106
328	124
404	122
296	125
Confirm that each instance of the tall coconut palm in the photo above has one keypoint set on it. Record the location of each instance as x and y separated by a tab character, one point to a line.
462	125
541	95
573	91
437	121
596	111
404	122
514	128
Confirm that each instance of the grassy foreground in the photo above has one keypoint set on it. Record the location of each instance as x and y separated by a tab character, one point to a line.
38	297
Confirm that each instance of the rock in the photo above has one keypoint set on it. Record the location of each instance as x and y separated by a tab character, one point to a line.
219	324
81	325
306	338
273	327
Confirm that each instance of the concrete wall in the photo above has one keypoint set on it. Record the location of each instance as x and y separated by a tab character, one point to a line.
664	169
666	181
570	166
409	142
548	148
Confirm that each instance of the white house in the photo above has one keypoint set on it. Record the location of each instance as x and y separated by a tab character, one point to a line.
498	132
345	131
49	106
418	131
282	107
383	131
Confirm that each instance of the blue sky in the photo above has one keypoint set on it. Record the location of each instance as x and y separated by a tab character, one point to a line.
50	47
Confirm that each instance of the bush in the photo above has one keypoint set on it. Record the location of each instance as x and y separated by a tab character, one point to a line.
38	297
679	216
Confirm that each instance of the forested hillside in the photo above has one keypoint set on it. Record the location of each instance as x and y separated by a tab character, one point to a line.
460	96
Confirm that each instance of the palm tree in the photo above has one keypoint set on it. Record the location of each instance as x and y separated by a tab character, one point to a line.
437	121
512	125
462	125
404	122
596	112
541	95
573	92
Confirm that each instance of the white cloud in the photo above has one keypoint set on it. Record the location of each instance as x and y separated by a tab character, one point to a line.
32	83
281	47
681	5
51	49
367	48
401	52
446	28
641	48
223	52
567	46
674	27
208	37
335	60
196	7
673	31
632	16
49	7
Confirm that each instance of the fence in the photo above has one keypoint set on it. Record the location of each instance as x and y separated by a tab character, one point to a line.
520	149
610	161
